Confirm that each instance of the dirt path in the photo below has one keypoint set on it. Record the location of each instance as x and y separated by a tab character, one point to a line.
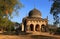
28	37
14	37
35	35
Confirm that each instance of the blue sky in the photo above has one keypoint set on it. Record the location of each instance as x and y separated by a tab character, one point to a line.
42	5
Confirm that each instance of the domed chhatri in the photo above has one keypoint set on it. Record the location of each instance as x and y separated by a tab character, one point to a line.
34	23
34	13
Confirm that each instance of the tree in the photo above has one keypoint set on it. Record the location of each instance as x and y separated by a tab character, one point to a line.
8	6
55	11
5	23
6	9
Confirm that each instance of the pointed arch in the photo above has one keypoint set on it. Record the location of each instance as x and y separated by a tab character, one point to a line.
43	28
37	27
31	27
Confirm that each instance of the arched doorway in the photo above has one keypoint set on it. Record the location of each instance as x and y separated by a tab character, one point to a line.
43	28
37	28
31	27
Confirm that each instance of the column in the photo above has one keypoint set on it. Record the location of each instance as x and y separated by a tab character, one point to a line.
34	28
40	28
22	27
28	28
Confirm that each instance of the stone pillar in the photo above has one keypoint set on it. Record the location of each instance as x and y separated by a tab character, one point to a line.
40	28
34	28
22	27
28	28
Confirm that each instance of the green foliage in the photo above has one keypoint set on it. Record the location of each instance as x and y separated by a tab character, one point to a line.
6	9
5	23
57	31
7	6
55	11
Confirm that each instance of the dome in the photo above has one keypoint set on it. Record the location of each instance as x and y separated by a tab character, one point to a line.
34	13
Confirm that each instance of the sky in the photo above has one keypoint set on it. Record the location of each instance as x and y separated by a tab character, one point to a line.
42	5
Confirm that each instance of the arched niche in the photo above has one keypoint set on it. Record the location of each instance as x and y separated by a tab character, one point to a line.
37	27
43	28
31	27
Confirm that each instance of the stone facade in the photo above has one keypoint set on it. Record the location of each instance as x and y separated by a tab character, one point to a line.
34	22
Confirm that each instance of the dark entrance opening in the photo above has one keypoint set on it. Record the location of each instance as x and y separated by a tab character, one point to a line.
31	27
37	27
43	28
